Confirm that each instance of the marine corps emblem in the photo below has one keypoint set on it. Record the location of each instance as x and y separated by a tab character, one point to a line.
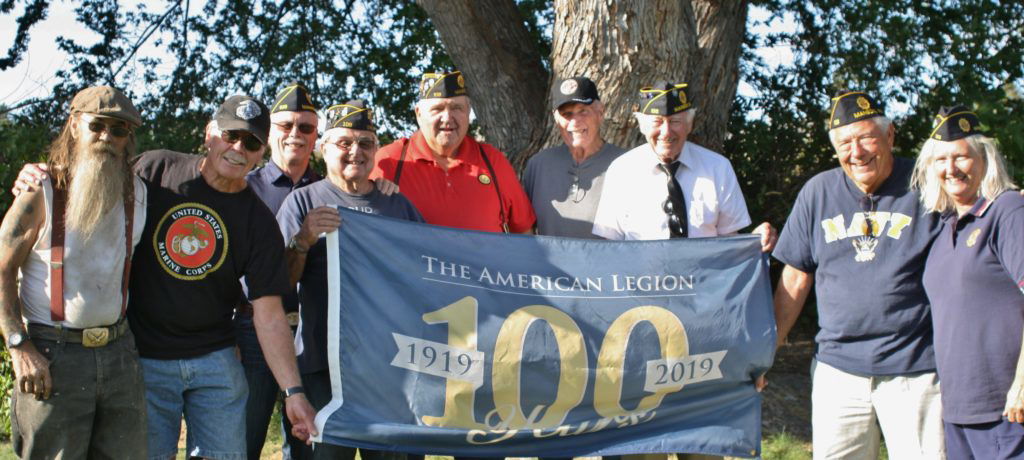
568	87
190	241
863	103
461	81
965	125
972	239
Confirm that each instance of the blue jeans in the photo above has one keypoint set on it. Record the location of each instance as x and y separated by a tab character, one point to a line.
210	391
263	389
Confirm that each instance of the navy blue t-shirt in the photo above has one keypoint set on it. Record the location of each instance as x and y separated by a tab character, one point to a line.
272	186
872	308
313	283
974	275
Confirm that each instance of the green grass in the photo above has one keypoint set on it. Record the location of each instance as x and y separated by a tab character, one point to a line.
785	446
782	446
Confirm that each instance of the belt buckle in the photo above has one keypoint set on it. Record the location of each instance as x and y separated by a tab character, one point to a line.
95	337
293	318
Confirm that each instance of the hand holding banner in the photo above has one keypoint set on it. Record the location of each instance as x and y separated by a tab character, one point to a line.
456	342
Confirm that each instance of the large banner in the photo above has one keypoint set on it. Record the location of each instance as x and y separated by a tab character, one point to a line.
454	342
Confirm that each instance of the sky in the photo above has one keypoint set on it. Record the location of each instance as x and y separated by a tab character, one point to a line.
34	76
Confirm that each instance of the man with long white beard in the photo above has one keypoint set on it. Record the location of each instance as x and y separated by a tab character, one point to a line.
79	384
185	285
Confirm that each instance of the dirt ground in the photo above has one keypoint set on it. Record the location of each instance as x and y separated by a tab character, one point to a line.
787	399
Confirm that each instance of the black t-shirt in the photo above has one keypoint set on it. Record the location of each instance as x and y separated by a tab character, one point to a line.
312	348
196	245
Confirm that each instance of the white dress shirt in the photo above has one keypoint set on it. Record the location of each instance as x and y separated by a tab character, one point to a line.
635	188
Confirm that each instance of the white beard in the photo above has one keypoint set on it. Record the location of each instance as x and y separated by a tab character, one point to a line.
97	181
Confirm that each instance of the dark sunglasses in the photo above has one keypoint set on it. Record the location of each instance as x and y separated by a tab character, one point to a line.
248	140
304	128
114	130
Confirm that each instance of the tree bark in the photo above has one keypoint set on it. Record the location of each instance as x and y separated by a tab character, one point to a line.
620	45
721	26
504	72
623	46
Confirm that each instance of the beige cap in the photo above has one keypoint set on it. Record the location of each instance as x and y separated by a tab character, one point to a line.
106	101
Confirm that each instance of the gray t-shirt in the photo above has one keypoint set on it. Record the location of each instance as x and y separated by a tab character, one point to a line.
565	194
311	338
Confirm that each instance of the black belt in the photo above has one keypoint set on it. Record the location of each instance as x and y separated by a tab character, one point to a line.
90	337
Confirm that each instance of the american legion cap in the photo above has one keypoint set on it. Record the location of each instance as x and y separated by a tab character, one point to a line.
664	98
580	90
442	85
354	114
852	106
953	123
244	113
294	97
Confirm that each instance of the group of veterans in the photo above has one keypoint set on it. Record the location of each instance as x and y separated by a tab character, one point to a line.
131	301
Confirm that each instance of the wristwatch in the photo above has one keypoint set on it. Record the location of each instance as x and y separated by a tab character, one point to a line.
294	245
16	339
292	391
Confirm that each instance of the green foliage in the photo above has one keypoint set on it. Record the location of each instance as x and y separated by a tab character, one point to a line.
6	387
913	56
20	144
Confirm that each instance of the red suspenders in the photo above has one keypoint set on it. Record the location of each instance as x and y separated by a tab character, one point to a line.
57	249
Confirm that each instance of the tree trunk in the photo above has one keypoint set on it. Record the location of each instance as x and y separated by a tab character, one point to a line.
620	45
623	46
721	26
505	75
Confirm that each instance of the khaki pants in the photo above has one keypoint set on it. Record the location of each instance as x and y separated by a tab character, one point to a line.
848	409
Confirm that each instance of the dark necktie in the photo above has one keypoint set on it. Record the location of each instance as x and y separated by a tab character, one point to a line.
675	205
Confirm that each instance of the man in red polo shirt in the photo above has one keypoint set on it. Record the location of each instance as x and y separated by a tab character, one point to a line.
452	179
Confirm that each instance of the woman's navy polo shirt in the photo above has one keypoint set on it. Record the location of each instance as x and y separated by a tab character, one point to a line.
973	277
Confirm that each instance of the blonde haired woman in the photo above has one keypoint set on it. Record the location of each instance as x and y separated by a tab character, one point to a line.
973	277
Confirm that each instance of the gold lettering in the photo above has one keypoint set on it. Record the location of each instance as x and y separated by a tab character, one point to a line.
899	222
459	395
835	228
507	368
612	357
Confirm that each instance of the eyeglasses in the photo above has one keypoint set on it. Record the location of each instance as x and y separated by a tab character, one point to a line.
248	140
304	128
656	121
114	130
346	144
